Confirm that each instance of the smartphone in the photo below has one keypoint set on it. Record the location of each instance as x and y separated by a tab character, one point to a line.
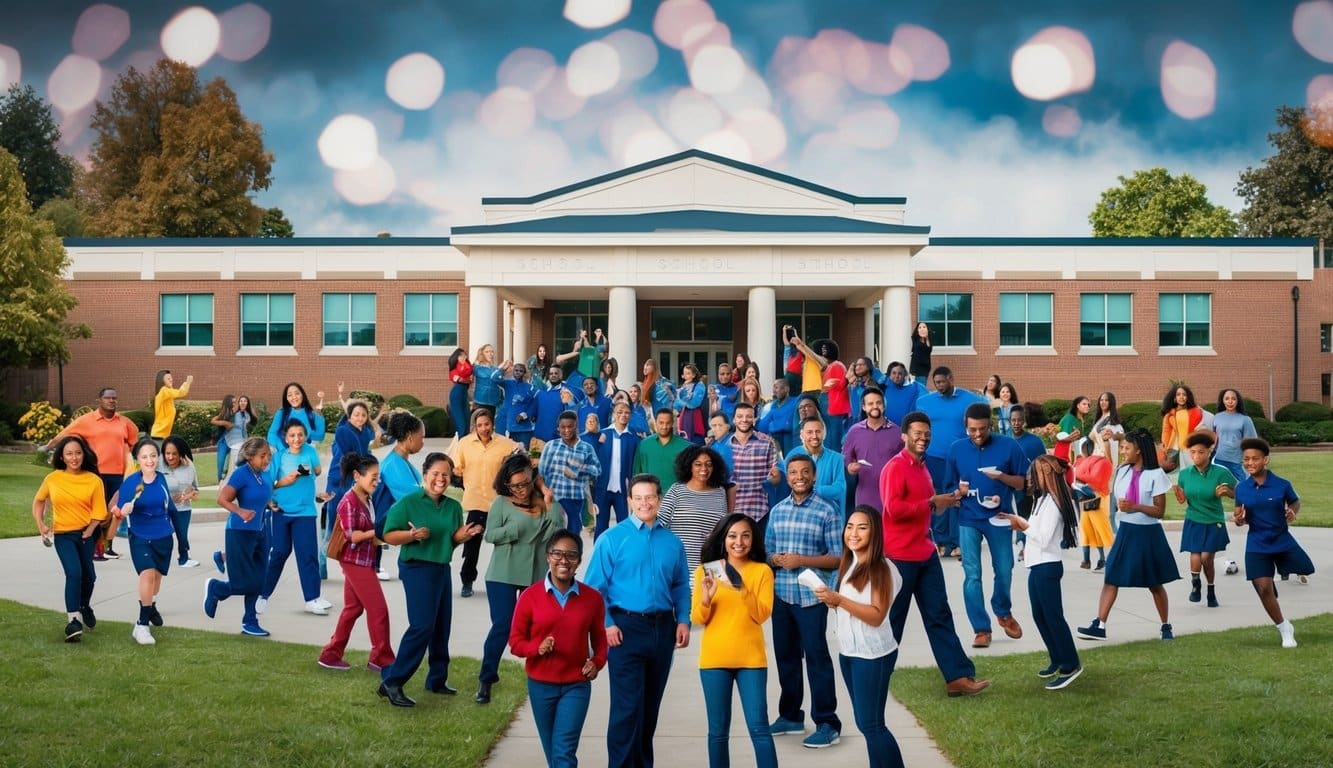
788	332
302	470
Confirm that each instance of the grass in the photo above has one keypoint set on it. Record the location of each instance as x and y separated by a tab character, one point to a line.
203	698
1225	698
1307	471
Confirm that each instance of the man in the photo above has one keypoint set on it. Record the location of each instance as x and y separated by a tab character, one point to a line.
900	395
992	467
945	407
615	452
518	412
1031	447
640	570
778	420
724	391
804	531
830	477
909	499
567	467
477	457
753	458
594	402
557	398
657	454
111	436
869	445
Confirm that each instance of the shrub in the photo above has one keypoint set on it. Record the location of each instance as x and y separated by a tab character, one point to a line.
1287	432
1056	409
374	398
6	436
10	413
142	419
42	422
332	413
1325	431
1035	414
1304	412
1142	415
404	401
436	420
194	423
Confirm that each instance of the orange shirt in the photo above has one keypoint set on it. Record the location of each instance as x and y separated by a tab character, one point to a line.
76	499
111	439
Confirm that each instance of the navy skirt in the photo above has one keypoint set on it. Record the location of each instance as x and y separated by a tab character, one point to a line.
1204	537
1140	557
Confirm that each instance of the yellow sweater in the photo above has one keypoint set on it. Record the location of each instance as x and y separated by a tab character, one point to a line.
76	499
733	636
164	410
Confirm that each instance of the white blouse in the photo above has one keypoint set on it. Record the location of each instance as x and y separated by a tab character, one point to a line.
857	638
1152	482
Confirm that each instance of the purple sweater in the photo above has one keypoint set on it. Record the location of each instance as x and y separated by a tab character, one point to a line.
875	446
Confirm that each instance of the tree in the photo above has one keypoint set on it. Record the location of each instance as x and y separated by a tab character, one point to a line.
30	133
174	159
1291	194
1153	203
34	301
275	224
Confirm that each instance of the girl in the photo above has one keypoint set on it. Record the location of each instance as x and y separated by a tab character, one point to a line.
697	501
689	404
356	433
750	393
1106	429
1071	426
1201	488
398	477
293	527
540	362
1094	526
1140	556
295	405
150	510
1232	426
610	371
992	390
919	365
867	585
1008	399
164	403
657	391
1180	416
235	420
487	376
361	591
1050	527
732	606
246	496
183	482
460	376
78	507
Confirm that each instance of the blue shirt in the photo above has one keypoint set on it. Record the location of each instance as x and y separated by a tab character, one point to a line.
561	597
600	405
486	384
253	491
901	400
965	458
690	396
398	478
946	418
777	423
549	408
312	419
830	475
1266	513
726	398
1231	428
1031	446
150	516
347	439
557	456
812	528
641	568
297	499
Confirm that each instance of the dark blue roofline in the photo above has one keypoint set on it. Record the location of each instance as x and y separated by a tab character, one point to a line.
1221	241
691	153
141	242
692	221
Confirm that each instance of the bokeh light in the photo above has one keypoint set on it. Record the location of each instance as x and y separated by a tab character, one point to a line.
1312	26
648	145
752	93
717	69
73	83
11	67
878	69
100	31
593	68
555	101
1189	81
637	52
625	122
726	143
675	18
527	68
595	14
1059	120
368	186
508	112
690	115
349	143
245	32
1318	123
1055	62
872	125
1319	93
415	81
926	51
763	133
192	36
817	97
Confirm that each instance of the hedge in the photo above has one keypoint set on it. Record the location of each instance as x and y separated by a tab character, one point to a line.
405	401
436	420
142	418
1304	412
1142	415
332	413
1253	408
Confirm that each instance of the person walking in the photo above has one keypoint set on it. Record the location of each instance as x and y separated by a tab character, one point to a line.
73	491
183	483
567	467
110	436
460	379
1201	486
616	447
399	477
477	458
294	518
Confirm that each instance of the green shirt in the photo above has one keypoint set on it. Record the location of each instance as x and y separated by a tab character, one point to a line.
422	512
1202	504
520	542
657	459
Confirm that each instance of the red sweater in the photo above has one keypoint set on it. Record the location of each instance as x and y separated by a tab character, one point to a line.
905	488
578	627
461	373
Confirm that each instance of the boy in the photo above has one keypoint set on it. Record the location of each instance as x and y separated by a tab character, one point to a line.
1268	503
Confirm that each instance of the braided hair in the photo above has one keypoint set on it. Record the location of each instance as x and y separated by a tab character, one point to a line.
1047	478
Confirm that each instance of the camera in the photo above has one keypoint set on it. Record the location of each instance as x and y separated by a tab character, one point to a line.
302	470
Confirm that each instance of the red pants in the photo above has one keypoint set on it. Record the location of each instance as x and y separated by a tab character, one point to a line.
361	594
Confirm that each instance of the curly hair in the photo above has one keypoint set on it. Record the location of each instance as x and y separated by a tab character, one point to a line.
717	478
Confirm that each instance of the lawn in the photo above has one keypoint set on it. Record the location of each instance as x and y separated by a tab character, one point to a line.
204	698
1308	471
1226	698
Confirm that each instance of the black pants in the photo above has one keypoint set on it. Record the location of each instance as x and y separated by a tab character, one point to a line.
472	548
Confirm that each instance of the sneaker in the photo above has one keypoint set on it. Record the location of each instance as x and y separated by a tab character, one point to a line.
313	606
110	554
1288	637
142	635
1302	578
154	616
210	602
98	557
338	665
189	563
73	631
1094	631
783	726
1048	672
254	630
1086	565
824	736
1196	594
1166	632
382	575
219	561
1062	679
261	605
325	604
89	618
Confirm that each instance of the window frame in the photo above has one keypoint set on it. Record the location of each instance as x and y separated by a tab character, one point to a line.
1185	322
268	322
187	324
1106	323
940	329
1027	322
431	321
351	326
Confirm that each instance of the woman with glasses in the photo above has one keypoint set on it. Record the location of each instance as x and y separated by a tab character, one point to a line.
697	501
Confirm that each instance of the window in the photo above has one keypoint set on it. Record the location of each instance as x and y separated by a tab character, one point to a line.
1025	319
186	320
349	319
574	316
267	319
813	320
1184	320
949	316
690	324
1106	320
1326	337
430	320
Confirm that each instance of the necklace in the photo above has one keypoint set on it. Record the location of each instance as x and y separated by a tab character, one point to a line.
259	477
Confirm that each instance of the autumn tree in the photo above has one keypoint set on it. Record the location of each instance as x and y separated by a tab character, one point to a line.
1291	194
29	132
1153	203
275	224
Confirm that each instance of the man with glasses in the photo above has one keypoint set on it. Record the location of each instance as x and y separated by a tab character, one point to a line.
111	436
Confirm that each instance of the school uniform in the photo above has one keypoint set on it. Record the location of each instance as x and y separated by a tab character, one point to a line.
1046	568
1269	546
150	521
1205	527
1140	556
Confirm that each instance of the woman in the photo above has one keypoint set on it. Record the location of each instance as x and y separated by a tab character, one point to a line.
1201	487
294	520
732	605
862	376
295	405
234	422
1107	429
1140	556
1050	527
749	392
657	391
867	585
460	376
427	525
540	362
559	627
183	483
1232	425
361	590
638	415
164	403
246	496
1071	431
487	375
356	433
150	510
1094	525
1008	398
697	501
689	404
519	526
398	476
992	390
919	364
740	363
609	372
1180	416
78	507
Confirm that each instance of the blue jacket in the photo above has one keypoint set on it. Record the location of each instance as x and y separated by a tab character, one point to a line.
486	384
549	408
346	439
900	401
777	423
629	443
519	408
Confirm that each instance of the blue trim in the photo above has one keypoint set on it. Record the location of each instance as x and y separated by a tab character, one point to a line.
687	154
1215	241
678	221
292	242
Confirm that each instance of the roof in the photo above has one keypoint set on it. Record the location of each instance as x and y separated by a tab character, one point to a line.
675	221
1123	241
269	242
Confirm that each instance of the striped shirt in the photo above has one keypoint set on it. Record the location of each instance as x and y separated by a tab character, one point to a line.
692	515
580	459
811	528
751	462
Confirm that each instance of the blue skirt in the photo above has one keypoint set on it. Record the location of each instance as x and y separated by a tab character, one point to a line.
1140	557
1204	537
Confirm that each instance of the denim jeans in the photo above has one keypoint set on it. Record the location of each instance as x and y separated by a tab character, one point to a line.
76	560
1048	613
868	684
293	533
180	520
943	525
559	711
1000	543
223	451
799	633
458	408
573	513
753	685
639	668
501	598
924	581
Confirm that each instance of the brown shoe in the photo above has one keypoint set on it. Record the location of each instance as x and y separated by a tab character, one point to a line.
1010	626
966	686
1085	565
982	640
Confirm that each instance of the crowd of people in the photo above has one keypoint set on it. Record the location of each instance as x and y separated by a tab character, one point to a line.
839	499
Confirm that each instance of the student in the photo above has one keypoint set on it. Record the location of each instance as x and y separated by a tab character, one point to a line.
294	518
1071	426
1268	504
1050	528
356	433
921	349
233	423
183	482
1180	417
398	475
295	405
460	378
150	509
1232	425
689	404
78	507
487	375
520	406
246	496
164	404
1201	488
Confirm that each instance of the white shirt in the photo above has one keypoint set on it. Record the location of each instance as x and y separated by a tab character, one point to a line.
1152	482
613	484
1045	527
857	638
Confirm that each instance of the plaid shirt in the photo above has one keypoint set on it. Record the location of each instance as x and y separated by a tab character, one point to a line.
812	527
751	462
356	515
557	456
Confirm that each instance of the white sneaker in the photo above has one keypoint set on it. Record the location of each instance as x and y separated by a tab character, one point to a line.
325	604
190	564
313	606
260	605
142	635
382	575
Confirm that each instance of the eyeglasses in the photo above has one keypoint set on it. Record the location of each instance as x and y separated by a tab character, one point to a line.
520	486
565	555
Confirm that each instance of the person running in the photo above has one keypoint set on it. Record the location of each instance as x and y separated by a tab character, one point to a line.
1201	488
150	510
246	495
110	436
477	458
165	396
73	490
233	423
183	482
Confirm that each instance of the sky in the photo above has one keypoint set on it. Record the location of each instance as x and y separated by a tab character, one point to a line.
991	118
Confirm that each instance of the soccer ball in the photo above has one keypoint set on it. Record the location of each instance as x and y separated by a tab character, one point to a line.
1232	568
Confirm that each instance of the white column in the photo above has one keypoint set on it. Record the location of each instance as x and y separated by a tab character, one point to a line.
522	315
504	350
483	306
761	336
895	325
622	307
868	335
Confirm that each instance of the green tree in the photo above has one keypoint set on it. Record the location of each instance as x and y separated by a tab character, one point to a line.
34	301
31	135
1291	194
275	224
1153	203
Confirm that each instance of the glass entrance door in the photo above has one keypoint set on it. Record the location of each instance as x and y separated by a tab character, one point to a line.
672	357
